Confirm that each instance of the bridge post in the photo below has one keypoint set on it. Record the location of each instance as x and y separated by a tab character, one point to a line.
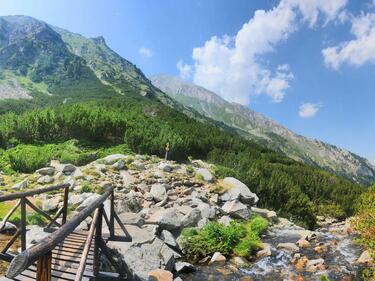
97	242
112	216
65	206
44	267
23	224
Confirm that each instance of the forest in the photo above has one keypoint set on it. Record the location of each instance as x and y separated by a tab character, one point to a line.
294	190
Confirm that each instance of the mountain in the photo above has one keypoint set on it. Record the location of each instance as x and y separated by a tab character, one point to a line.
266	131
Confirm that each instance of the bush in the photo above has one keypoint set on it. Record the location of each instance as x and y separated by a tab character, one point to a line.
86	188
240	238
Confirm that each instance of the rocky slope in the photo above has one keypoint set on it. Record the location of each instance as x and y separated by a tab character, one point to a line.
257	126
156	199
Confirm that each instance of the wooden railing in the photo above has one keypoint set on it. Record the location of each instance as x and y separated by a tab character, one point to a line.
41	253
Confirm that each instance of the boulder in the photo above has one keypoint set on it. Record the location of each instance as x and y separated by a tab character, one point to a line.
239	261
127	179
315	265
67	168
160	275
21	185
168	238
236	210
365	258
35	234
158	192
267	214
45	179
165	167
47	171
205	174
138	165
119	165
76	199
180	267
87	202
303	243
50	204
238	190
111	159
225	220
7	227
290	247
130	203
217	258
132	218
207	211
191	218
265	252
168	219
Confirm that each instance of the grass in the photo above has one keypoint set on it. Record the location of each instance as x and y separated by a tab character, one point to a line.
240	238
32	217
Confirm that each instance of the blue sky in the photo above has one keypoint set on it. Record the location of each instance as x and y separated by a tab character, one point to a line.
307	64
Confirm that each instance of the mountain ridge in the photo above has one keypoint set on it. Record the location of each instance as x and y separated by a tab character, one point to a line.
267	131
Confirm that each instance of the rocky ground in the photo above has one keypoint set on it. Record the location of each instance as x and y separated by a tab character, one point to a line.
156	199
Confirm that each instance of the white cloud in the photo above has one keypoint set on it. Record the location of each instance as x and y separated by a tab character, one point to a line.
145	52
308	109
184	69
358	51
232	65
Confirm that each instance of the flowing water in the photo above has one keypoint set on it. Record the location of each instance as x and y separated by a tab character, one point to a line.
339	253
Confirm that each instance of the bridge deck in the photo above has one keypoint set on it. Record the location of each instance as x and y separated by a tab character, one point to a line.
65	260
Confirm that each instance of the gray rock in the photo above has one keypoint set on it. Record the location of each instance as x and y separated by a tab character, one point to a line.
191	218
111	159
206	174
217	258
87	202
290	247
225	220
142	187
138	165
238	190
45	179
35	234
132	218
119	165
21	185
67	168
184	267
50	204
158	192
130	203
168	219
168	238
236	210
75	199
203	222
7	227
77	174
265	252
267	214
207	211
47	171
365	258
165	167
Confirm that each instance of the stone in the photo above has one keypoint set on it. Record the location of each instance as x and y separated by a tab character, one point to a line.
290	247
166	218
138	165
225	220
160	275
365	258
267	214
192	218
265	252
119	165
217	258
87	202
21	185
168	238
75	199
50	204
184	267
67	168
132	218
111	159
127	179
45	179
35	234
303	243
308	235
202	222
165	167
205	174
7	227
207	211
238	190
239	261
47	171
130	203
315	265
158	192
236	210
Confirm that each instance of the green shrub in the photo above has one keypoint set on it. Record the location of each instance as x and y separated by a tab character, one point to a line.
86	188
240	238
323	278
35	219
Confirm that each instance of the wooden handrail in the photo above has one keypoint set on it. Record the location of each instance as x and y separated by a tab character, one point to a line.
19	195
29	256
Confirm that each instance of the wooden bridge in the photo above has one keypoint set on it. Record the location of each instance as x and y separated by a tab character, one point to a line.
67	253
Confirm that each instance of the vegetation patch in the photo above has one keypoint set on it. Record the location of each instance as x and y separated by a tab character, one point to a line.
239	238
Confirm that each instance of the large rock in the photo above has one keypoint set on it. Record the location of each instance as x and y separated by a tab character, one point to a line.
144	258
191	218
169	219
35	234
267	214
159	192
168	238
205	174
207	211
132	218
67	168
160	275
87	202
217	258
165	167
45	179
289	247
265	252
130	203
365	258
184	267
21	185
47	171
50	204
238	190
236	210
111	159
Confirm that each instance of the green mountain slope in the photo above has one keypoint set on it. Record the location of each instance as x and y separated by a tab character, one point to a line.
268	132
